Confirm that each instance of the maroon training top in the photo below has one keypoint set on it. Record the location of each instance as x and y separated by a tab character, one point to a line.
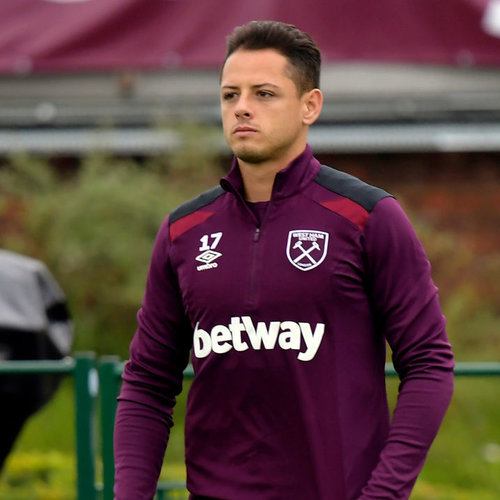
286	317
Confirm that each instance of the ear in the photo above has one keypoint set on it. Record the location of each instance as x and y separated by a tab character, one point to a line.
312	103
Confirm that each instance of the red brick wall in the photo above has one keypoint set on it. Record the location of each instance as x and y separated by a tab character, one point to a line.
459	192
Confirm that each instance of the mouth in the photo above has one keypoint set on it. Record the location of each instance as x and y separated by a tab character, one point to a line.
244	130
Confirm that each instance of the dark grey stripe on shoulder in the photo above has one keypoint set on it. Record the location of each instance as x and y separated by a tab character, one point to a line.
351	187
200	201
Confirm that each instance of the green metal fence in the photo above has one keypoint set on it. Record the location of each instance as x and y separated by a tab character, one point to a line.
83	370
97	380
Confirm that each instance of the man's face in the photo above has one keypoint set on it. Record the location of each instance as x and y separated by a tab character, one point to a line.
262	113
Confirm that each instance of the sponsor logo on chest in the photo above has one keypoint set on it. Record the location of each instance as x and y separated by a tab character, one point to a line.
242	334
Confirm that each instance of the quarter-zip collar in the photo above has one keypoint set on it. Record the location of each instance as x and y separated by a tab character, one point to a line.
293	178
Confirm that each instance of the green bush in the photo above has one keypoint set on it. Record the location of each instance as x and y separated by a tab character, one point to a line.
39	476
95	228
469	293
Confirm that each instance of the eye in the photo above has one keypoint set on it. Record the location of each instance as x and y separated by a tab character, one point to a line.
265	94
227	96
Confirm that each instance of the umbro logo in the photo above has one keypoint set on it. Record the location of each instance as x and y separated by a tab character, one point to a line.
208	244
208	258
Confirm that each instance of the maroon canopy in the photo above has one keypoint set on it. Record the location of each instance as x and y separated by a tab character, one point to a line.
84	35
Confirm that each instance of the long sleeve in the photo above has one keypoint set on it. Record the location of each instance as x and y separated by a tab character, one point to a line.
407	309
152	379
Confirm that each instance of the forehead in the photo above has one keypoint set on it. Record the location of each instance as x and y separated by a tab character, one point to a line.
265	65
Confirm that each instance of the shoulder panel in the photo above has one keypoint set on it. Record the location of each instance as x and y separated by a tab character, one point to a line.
195	204
191	213
350	187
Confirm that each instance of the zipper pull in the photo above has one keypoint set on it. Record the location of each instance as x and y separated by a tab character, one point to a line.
256	234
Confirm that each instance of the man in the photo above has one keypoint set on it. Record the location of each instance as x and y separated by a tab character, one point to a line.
285	282
35	324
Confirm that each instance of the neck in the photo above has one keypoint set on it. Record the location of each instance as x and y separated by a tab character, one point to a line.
258	179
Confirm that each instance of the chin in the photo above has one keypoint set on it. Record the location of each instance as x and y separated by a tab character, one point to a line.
250	155
252	159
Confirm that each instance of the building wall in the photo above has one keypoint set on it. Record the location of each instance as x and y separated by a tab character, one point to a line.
458	192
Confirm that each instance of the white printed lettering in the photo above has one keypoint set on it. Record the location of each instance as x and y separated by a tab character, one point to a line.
207	266
290	337
312	340
220	335
262	334
287	334
237	327
201	342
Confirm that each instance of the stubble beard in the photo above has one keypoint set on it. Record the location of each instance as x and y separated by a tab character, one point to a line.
251	155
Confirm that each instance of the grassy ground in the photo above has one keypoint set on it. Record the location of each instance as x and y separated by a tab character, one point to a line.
464	461
463	464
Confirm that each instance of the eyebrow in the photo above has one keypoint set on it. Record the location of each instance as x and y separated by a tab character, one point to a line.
258	86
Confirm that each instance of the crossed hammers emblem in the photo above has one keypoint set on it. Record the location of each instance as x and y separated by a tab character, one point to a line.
305	253
302	245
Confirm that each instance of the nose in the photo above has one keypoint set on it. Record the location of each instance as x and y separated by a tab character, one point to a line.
242	114
242	109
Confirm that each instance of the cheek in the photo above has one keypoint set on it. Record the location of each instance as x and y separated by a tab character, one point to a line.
226	125
288	122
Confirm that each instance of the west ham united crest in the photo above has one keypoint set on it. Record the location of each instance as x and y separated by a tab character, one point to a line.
306	249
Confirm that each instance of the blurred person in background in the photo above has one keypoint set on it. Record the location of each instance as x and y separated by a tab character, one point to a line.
34	325
284	283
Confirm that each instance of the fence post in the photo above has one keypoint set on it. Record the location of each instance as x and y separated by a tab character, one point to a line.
86	387
109	386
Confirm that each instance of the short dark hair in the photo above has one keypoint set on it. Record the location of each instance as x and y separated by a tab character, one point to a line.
297	46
